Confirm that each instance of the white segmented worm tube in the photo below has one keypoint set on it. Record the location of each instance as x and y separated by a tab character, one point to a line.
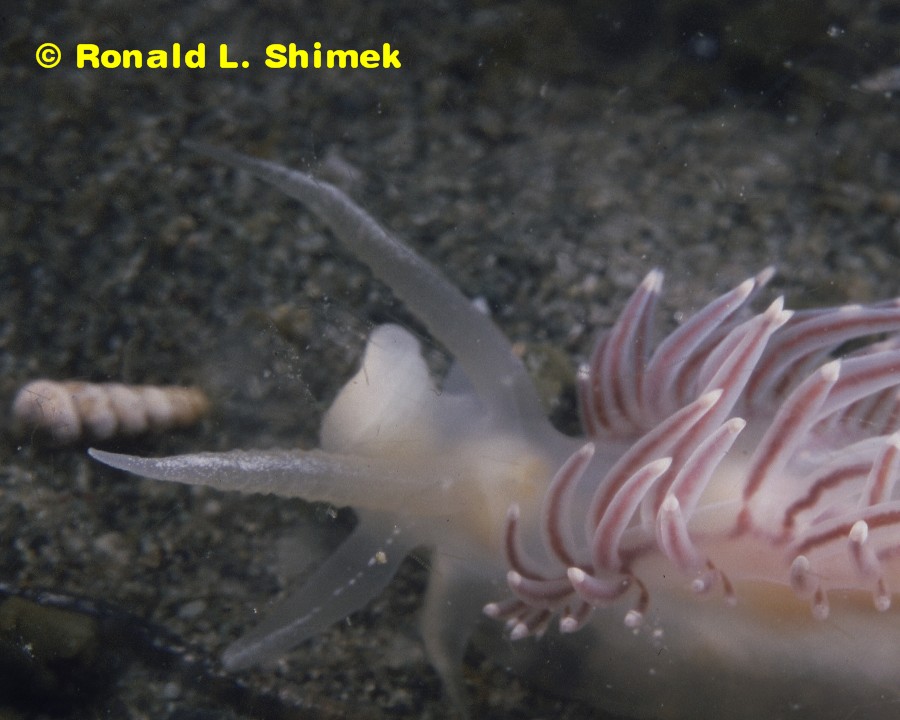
72	410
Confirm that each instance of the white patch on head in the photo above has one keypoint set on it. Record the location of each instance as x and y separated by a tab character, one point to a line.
391	401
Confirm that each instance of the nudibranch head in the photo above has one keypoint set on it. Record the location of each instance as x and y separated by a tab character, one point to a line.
748	460
450	459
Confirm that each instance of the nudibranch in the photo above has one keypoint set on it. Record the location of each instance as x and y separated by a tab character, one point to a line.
724	541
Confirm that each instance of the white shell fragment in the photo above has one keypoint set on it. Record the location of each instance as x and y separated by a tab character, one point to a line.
886	81
71	410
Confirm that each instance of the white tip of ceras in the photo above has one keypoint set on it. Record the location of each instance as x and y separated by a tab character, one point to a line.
653	281
658	467
702	585
763	277
514	579
859	533
583	373
831	371
743	290
707	400
519	631
492	610
670	505
735	425
864	557
776	315
576	575
584	453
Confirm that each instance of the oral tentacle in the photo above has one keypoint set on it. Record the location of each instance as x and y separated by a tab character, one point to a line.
486	356
357	571
312	475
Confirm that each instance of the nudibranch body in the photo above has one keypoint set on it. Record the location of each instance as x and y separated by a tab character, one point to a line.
724	541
